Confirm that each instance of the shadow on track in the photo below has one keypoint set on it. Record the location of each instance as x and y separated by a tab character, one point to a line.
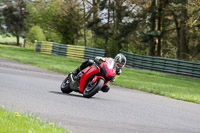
74	95
60	93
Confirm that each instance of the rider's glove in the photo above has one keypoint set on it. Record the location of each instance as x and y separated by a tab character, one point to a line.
118	71
98	60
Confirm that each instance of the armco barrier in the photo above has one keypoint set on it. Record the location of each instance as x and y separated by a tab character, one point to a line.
59	49
93	52
75	51
46	47
71	51
162	64
38	47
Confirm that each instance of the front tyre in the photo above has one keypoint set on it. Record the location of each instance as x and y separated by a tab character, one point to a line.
65	86
91	89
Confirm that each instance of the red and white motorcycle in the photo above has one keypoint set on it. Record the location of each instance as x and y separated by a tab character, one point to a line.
90	80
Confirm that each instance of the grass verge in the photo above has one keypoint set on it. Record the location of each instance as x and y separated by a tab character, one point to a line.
13	122
179	87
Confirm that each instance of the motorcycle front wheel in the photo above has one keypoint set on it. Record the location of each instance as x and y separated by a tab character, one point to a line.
91	89
65	86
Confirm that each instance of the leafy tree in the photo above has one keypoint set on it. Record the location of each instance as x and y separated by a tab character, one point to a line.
193	29
184	50
184	14
1	18
114	24
14	14
167	28
61	17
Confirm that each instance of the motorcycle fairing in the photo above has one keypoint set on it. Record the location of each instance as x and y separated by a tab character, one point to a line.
97	77
87	72
108	68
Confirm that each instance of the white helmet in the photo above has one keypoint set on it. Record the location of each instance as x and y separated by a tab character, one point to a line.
120	60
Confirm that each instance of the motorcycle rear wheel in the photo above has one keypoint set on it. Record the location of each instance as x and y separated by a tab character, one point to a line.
91	89
65	86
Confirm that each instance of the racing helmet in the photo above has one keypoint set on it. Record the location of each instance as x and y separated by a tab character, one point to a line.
120	60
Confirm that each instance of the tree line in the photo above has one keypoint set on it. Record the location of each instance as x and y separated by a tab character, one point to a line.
164	28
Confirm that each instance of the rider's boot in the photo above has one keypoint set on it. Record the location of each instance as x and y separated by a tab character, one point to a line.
75	72
85	64
106	88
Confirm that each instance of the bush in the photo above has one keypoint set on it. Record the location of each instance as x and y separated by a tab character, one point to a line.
36	33
52	36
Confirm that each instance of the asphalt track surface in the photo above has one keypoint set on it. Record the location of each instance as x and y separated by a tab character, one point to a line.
25	88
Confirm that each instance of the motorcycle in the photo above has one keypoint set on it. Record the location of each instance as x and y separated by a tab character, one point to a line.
90	80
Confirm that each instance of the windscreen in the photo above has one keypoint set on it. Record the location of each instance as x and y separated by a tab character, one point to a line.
111	63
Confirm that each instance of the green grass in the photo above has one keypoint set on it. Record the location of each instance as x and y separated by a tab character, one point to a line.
13	122
179	87
27	55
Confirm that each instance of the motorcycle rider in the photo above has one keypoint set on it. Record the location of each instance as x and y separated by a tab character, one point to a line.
120	61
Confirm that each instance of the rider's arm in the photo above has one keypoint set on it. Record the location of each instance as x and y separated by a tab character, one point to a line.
118	72
99	60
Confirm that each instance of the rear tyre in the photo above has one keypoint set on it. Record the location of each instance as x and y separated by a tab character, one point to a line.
65	86
91	89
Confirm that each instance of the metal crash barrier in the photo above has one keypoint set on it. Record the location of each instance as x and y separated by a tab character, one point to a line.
167	65
72	51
